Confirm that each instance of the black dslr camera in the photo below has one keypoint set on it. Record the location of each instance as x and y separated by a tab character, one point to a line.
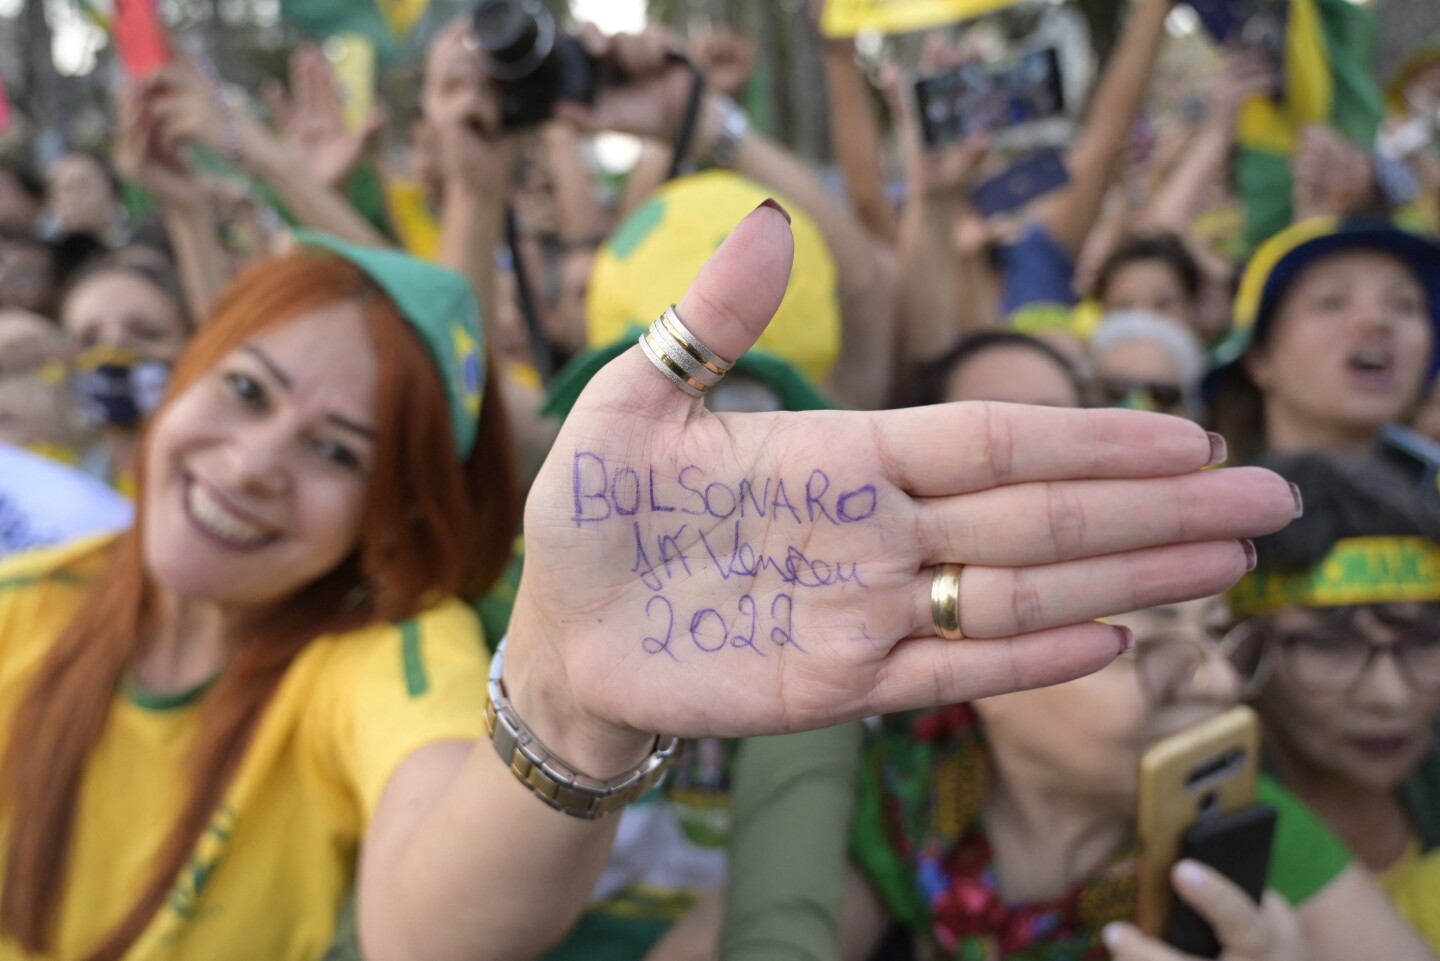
533	62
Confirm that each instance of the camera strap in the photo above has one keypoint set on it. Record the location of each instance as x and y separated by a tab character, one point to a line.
680	152
543	353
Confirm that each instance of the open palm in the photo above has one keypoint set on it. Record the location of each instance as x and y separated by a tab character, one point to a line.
728	575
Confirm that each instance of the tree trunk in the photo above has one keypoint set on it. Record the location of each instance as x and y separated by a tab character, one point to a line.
1404	26
46	86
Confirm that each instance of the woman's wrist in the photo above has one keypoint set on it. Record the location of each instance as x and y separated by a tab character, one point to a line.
257	151
188	211
537	685
718	136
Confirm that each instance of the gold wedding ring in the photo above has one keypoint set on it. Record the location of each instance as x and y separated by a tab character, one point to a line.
945	601
681	357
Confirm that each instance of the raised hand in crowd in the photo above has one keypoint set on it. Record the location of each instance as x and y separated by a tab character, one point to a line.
726	58
652	103
855	132
1069	214
678	635
945	291
310	118
187	207
475	166
1269	931
655	596
192	108
1179	197
1332	175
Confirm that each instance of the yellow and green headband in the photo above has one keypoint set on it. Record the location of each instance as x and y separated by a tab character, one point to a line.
1358	570
440	305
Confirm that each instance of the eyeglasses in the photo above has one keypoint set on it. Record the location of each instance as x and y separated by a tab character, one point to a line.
1167	662
1333	657
1144	394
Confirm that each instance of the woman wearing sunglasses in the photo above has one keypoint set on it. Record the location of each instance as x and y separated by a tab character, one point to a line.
1342	636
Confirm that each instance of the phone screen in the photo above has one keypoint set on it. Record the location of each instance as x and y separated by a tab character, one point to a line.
1032	177
979	97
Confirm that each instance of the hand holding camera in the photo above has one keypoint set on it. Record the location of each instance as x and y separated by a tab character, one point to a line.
463	111
631	83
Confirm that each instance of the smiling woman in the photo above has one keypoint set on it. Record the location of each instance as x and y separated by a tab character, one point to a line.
267	517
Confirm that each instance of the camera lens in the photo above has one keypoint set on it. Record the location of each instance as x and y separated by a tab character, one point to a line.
508	30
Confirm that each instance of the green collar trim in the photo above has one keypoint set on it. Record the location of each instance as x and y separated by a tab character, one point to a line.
1358	570
159	703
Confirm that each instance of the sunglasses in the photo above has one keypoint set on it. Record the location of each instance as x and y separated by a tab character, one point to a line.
1142	394
1167	662
1332	653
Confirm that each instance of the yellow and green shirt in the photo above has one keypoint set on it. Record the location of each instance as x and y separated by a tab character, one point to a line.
1413	885
268	877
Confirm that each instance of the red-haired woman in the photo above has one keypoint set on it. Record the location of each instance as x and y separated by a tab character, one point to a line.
216	724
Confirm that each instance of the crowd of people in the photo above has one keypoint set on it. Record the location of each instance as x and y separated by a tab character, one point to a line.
380	578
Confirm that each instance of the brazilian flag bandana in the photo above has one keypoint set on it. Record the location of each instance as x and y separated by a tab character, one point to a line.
1358	570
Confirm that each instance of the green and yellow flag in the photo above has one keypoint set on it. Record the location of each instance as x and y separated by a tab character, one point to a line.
385	23
1329	78
846	18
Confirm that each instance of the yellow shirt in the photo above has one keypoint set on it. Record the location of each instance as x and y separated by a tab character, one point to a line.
415	225
1413	884
268	877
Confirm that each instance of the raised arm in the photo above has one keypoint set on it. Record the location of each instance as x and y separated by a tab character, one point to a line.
652	104
310	119
1180	196
186	208
856	137
729	575
1111	115
193	110
940	296
477	163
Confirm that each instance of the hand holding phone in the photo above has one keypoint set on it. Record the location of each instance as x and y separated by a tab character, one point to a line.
1199	774
1033	177
1237	846
975	98
1246	930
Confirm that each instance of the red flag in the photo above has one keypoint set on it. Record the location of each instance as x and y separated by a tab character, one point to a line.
4	107
139	38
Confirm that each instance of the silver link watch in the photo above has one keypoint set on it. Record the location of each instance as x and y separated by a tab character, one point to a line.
551	779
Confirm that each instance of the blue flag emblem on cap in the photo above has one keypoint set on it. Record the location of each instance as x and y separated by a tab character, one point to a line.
470	380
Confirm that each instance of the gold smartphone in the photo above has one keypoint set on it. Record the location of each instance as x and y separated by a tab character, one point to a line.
1204	771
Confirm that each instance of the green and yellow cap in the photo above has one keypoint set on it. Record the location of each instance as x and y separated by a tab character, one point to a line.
1358	570
1278	261
654	255
440	305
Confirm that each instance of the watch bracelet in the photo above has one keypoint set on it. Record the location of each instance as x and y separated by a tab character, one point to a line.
554	781
734	125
